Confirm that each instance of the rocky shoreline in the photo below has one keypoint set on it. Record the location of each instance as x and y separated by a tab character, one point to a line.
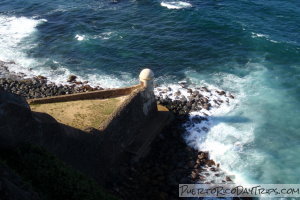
39	86
194	106
171	161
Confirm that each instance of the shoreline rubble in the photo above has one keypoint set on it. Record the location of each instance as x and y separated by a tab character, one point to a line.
39	86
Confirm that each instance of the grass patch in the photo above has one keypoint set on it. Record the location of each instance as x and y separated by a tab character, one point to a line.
80	114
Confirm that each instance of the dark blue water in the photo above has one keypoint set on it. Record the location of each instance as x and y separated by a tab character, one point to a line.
250	48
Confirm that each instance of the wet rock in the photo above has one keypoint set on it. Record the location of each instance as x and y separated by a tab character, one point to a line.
213	169
205	106
210	163
178	93
78	82
231	96
205	89
195	93
221	92
228	179
183	84
204	100
72	78
183	99
194	175
202	178
205	129
203	155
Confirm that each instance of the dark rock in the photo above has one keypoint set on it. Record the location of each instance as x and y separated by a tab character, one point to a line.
178	93
205	106
202	178
183	99
204	100
39	77
205	129
204	155
210	163
197	119
72	78
191	164
15	120
195	93
183	84
228	179
221	92
194	175
205	89
196	166
12	186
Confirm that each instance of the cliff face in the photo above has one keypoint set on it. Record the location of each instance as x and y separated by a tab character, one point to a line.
19	126
13	187
16	121
30	145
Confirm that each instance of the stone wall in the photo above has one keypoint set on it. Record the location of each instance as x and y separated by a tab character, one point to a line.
125	126
102	94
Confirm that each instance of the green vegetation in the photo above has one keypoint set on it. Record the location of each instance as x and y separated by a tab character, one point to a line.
49	176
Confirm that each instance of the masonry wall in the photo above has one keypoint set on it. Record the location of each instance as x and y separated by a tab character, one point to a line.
102	94
125	125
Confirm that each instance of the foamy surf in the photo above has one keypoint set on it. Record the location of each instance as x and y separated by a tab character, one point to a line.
175	4
102	36
259	35
80	37
208	135
17	35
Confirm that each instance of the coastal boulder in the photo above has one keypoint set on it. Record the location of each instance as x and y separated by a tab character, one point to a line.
72	78
16	121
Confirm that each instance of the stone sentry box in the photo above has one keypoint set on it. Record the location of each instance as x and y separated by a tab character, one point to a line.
124	134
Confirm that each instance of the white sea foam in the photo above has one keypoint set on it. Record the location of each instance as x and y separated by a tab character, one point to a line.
102	36
17	35
80	37
105	35
208	135
226	135
175	4
259	35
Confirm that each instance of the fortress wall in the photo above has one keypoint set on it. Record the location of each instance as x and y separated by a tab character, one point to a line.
125	126
102	94
106	153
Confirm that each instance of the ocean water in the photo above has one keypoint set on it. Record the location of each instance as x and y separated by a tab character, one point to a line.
246	47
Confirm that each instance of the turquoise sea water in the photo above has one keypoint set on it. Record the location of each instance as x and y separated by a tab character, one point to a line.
250	48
